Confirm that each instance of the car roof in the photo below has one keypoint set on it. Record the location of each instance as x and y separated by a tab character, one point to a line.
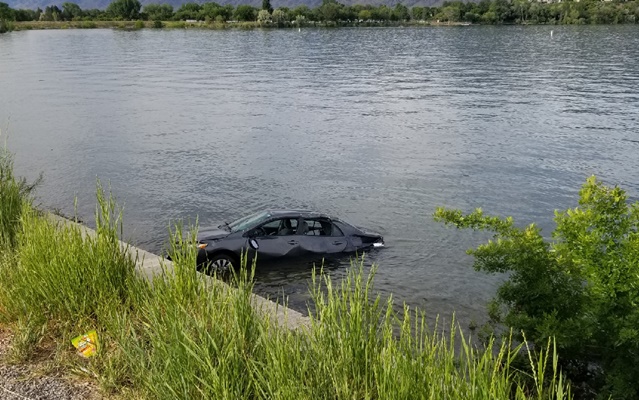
297	213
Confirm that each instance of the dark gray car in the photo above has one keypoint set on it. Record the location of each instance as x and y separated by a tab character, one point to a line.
277	234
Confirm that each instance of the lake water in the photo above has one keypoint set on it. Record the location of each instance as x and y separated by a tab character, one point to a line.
378	126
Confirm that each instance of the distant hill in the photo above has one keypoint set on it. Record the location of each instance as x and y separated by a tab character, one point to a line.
102	4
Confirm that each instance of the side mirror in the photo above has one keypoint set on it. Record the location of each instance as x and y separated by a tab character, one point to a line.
253	243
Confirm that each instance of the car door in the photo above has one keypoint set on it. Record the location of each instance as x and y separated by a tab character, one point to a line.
320	236
275	239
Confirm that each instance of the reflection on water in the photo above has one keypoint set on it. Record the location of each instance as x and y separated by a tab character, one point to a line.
377	126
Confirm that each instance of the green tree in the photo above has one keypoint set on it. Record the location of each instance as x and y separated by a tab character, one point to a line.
226	13
365	15
158	12
280	16
300	20
302	10
452	13
124	9
51	13
210	11
604	14
400	13
471	17
418	13
382	13
26	15
581	287
266	5
520	9
71	11
490	17
95	14
263	17
330	10
245	13
351	13
188	11
6	13
538	13
501	10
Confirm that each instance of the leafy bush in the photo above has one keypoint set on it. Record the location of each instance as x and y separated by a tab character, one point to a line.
263	17
581	287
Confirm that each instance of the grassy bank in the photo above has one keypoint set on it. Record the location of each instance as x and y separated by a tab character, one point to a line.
39	25
192	337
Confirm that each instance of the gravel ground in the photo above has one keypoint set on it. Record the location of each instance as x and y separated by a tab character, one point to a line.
20	382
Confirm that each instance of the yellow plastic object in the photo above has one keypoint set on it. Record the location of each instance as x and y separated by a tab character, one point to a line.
86	344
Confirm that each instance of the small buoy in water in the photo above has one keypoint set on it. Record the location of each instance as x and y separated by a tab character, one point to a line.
299	29
550	33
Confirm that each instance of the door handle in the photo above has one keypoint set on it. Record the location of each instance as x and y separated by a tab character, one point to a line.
337	243
291	242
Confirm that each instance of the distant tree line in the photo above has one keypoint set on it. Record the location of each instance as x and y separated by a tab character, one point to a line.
333	12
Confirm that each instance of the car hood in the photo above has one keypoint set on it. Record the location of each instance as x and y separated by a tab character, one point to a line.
212	233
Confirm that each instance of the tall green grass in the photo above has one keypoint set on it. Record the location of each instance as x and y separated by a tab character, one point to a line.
210	333
198	338
357	347
60	281
14	194
187	336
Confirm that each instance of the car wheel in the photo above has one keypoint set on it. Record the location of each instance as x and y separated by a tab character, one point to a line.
221	263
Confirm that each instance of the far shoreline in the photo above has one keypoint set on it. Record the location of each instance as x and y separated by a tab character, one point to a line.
244	25
202	25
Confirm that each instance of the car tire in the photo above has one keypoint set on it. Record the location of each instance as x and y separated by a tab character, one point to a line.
221	263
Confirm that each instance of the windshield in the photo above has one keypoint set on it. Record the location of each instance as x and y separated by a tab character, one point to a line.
249	221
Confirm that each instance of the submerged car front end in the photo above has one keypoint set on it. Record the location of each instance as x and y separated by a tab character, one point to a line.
211	243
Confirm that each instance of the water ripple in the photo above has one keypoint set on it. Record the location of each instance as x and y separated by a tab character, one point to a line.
378	126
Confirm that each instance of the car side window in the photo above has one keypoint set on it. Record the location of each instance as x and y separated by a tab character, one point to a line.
335	231
269	229
319	227
287	226
278	227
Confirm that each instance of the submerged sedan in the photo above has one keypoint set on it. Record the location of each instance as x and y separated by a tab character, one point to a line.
280	234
